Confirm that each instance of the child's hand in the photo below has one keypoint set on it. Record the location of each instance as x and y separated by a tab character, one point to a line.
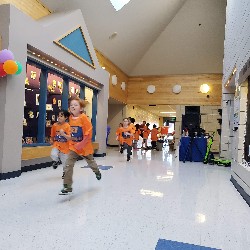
62	132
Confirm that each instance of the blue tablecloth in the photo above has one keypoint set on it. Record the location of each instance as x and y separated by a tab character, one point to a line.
197	149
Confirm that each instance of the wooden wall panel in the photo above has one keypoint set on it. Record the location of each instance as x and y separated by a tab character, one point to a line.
33	8
114	91
29	153
190	94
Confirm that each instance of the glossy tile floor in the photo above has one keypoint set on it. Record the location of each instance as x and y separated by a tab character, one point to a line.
134	205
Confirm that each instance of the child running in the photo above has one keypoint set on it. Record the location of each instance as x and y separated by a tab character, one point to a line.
146	133
80	143
60	148
127	137
136	135
119	137
154	133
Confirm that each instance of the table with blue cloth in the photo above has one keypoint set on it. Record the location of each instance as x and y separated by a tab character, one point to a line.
197	149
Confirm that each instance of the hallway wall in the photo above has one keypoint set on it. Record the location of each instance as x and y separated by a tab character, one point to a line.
189	95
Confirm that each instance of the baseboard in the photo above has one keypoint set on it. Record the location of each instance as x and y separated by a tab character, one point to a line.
242	192
112	146
34	164
26	166
9	175
35	167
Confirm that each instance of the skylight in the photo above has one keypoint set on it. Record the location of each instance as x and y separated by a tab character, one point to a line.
119	4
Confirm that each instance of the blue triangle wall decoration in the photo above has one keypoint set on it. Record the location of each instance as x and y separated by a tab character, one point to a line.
75	43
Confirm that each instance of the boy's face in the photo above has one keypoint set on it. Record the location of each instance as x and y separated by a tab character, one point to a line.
75	108
125	122
61	118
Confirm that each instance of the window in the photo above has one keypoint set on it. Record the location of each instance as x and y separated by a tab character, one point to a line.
31	104
54	102
46	93
88	99
119	4
74	90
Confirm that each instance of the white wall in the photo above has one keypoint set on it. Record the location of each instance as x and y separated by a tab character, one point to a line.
236	54
141	115
237	37
18	30
116	113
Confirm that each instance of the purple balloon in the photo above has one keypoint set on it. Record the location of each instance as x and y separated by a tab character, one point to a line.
6	55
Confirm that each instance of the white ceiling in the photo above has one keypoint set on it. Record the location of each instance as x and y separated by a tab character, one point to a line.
155	37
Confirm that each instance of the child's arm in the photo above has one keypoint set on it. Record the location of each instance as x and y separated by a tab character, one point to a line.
87	128
67	135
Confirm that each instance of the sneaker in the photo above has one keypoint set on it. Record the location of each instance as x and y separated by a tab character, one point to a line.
128	158
66	189
55	164
98	175
121	150
63	175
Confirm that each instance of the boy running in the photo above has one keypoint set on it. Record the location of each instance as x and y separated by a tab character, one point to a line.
80	144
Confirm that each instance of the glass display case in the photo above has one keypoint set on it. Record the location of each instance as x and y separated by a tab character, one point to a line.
31	104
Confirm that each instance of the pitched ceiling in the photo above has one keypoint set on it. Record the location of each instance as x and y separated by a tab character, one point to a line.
155	37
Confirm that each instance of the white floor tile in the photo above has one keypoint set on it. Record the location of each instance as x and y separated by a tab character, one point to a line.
136	203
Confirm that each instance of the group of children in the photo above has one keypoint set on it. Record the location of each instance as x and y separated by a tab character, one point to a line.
71	140
128	135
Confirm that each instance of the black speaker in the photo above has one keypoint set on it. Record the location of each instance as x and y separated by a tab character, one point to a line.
192	110
191	121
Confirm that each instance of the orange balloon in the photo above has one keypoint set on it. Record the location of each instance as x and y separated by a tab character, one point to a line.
10	67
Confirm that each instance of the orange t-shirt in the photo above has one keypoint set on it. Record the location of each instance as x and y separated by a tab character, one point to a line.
164	130
154	133
127	138
60	142
119	134
80	127
146	133
136	135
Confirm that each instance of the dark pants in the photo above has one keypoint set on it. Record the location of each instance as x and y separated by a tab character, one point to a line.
153	143
129	149
72	158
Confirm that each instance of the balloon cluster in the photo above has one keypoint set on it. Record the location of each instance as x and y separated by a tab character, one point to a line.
8	65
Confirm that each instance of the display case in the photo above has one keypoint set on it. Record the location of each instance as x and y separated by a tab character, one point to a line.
31	104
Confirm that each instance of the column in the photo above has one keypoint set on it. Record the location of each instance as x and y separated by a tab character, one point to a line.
42	105
94	113
65	93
